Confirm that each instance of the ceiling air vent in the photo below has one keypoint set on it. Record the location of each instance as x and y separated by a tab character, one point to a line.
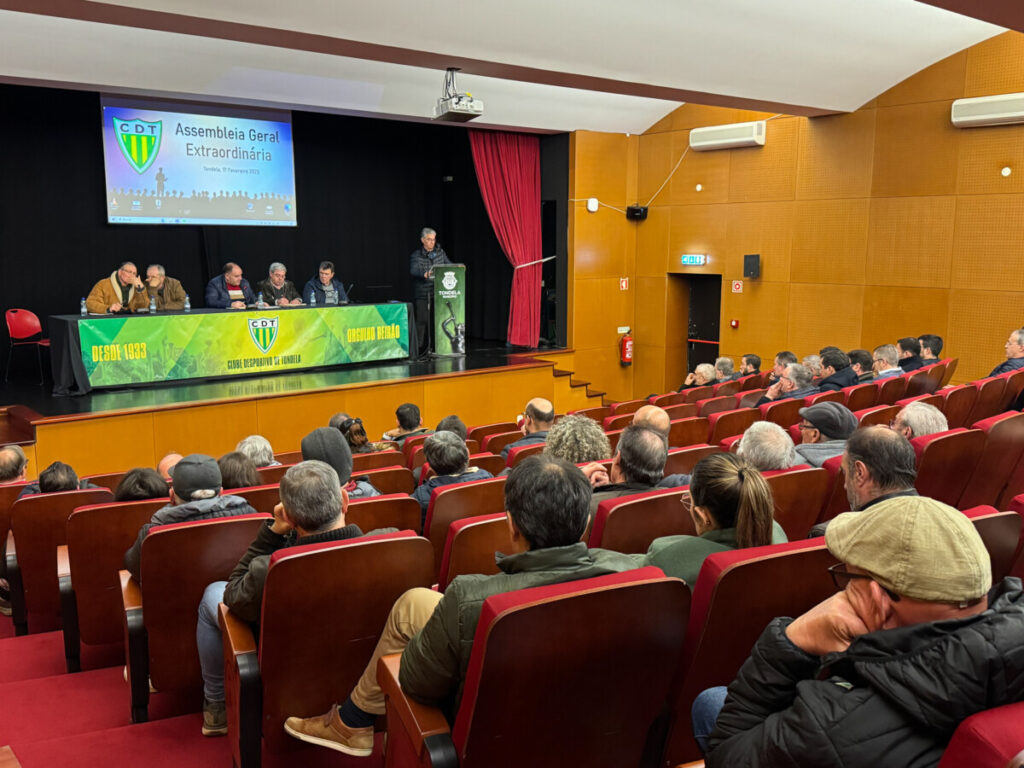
1004	109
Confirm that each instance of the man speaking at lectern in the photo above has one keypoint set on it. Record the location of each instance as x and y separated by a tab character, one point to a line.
421	266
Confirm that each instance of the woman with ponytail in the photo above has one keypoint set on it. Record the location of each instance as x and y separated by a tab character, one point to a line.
731	506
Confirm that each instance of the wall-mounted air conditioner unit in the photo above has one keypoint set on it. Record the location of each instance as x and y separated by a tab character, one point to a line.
728	136
1004	109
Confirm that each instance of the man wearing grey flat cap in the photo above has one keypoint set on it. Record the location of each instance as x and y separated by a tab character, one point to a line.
915	640
824	429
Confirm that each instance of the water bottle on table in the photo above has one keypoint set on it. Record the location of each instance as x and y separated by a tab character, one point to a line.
152	305
82	308
188	304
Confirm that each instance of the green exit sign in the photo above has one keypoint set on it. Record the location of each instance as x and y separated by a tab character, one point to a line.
694	259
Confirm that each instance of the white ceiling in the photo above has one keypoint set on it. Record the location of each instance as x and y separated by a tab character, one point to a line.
603	65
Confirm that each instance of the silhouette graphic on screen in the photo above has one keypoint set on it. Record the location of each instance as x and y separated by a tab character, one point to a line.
458	338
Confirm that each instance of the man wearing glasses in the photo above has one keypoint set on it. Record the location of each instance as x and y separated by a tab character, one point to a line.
886	361
123	291
881	673
1014	354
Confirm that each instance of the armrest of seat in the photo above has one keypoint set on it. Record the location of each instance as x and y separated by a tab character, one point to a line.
136	645
243	688
19	613
421	730
68	611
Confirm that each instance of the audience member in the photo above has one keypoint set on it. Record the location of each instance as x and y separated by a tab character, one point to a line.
258	448
166	464
354	432
885	362
766	446
882	672
1014	354
453	424
13	463
878	463
237	470
824	430
909	349
813	364
794	383
724	370
139	484
55	478
638	465
577	439
276	290
782	359
327	445
312	511
409	424
702	376
448	456
731	506
538	416
862	365
195	495
931	347
653	417
750	364
918	419
838	374
546	500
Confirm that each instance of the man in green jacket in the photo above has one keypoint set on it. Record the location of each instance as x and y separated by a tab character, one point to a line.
547	506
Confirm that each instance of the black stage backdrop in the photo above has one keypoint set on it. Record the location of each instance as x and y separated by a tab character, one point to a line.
364	189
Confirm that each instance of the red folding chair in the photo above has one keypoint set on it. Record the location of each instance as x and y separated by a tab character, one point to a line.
22	325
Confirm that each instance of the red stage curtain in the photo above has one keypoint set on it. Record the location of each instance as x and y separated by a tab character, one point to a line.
508	171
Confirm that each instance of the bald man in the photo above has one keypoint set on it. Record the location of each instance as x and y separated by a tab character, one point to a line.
167	464
538	418
653	417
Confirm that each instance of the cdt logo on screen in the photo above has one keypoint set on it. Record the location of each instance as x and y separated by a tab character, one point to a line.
264	332
139	141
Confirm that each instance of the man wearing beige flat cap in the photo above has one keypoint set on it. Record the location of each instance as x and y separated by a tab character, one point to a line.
881	673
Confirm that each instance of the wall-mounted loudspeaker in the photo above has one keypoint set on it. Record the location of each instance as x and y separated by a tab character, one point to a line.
752	265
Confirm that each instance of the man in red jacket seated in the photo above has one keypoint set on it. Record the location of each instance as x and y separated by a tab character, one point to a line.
882	672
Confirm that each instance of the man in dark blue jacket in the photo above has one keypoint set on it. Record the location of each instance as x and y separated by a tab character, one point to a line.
1014	354
421	267
324	288
229	290
838	373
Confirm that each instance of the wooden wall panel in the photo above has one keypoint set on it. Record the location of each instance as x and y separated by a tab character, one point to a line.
655	159
763	312
768	172
601	309
601	167
829	241
910	241
763	228
92	446
988	246
650	312
995	66
942	81
649	370
892	312
979	324
600	366
652	242
601	248
821	314
915	150
836	155
708	169
210	429
698	229
476	401
984	152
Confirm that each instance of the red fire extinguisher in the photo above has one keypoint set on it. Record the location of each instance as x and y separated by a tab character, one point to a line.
626	349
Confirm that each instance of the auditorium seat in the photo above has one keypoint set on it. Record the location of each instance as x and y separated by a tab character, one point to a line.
1001	532
630	523
682	460
454	502
749	398
389	479
876	415
627	406
799	494
936	372
274	474
727	388
832	396
262	498
890	389
478	433
836	501
684	432
947	374
959	404
728	423
736	596
418	458
1014	386
471	545
288	457
159	613
937	401
410	446
730	444
613	438
698	393
1003	449
108	480
98	535
563	714
495	443
392	510
946	462
711	405
988	739
516	455
782	412
8	495
670	398
493	464
39	525
861	396
680	411
356	583
597	413
376	460
990	399
918	383
616	421
751	381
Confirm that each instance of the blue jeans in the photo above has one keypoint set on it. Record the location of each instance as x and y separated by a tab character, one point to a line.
208	641
705	711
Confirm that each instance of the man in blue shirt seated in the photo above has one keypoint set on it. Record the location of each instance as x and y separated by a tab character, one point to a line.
229	290
1014	354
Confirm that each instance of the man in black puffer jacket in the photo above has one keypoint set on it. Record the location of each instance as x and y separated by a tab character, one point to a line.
881	673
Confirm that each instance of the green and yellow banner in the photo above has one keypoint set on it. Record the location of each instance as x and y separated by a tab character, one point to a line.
139	349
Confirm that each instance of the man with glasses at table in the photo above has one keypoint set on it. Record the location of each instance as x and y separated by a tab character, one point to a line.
915	640
1014	354
122	292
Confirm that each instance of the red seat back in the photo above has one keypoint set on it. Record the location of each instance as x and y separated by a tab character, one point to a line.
698	393
449	503
947	374
782	412
836	501
946	462
727	388
273	474
376	460
861	396
753	381
748	398
262	498
521	452
799	495
989	739
1004	447
480	432
831	396
728	423
935	400
390	479
716	404
878	415
684	432
22	323
891	389
393	510
616	421
959	404
630	523
1014	386
628	406
680	411
496	442
288	457
671	398
107	480
682	460
471	545
919	383
597	413
990	399
1001	532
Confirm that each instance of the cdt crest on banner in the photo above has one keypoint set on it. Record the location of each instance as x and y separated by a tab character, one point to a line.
139	141
449	281
263	331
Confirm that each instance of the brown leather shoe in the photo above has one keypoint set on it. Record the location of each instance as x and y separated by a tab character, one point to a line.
329	731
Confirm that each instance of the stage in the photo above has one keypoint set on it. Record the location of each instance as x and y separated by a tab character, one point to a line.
113	429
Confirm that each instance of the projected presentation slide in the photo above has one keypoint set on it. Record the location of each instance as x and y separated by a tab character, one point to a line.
186	164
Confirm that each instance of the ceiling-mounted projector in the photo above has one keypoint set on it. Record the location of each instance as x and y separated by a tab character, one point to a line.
453	106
